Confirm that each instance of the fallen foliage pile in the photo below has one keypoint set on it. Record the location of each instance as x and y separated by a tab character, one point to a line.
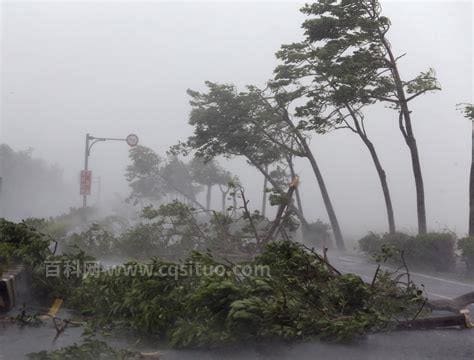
89	350
287	292
301	298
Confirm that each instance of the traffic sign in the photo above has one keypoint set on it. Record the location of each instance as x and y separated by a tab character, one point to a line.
132	140
86	181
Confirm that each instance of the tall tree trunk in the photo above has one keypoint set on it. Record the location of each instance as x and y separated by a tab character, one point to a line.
327	201
383	183
264	195
322	186
208	197
471	189
407	131
415	160
360	130
234	202
224	194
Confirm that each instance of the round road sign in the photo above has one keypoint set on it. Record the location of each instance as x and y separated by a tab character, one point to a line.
132	140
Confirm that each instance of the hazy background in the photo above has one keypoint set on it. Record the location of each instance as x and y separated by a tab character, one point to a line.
111	68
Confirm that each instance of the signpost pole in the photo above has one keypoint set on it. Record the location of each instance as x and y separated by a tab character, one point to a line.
86	176
86	167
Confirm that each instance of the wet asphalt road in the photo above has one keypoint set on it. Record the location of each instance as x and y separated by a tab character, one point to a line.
447	344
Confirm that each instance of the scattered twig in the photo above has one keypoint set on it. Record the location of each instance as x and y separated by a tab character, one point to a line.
249	216
419	310
375	276
60	325
281	210
321	258
407	272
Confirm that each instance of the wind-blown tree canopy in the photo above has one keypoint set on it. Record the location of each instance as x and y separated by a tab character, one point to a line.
468	111
221	124
346	52
220	118
151	178
272	117
143	174
251	124
208	173
179	179
327	105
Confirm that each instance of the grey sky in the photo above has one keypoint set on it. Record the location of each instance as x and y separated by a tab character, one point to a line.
111	68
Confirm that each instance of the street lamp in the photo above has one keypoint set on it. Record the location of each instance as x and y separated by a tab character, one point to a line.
86	175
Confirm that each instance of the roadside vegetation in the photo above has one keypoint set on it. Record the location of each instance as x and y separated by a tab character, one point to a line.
438	252
299	296
343	65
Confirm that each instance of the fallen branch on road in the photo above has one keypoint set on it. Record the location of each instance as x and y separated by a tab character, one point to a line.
460	320
453	305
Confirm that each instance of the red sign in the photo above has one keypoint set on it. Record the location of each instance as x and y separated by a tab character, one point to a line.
132	140
86	181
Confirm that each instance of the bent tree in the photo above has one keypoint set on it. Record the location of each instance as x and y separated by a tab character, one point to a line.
151	178
256	125
221	128
354	36
328	102
208	173
468	112
271	116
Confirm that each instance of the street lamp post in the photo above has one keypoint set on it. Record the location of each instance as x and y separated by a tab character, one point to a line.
131	140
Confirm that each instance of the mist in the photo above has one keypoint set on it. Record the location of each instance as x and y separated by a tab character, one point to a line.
248	164
111	68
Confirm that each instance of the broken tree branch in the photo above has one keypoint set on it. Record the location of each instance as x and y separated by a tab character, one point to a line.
454	305
249	216
461	320
281	210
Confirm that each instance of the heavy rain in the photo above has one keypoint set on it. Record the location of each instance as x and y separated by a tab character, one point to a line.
236	180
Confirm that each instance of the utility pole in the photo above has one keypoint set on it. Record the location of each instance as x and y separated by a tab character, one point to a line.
86	169
471	187
1	200
86	176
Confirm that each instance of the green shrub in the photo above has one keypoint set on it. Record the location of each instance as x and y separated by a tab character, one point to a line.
21	243
371	243
95	241
432	251
398	240
466	246
298	298
24	244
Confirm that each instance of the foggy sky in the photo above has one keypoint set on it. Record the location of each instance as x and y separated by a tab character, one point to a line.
112	68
